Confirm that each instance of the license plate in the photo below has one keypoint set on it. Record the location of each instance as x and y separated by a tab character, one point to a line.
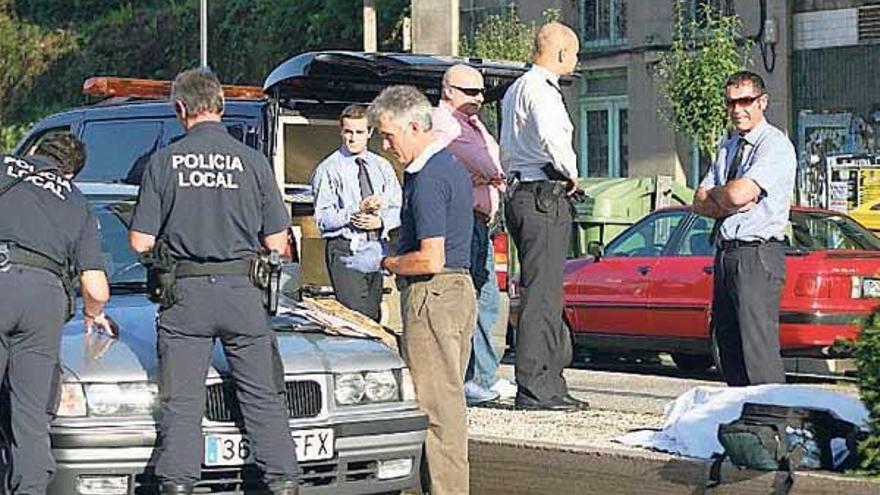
871	287
235	449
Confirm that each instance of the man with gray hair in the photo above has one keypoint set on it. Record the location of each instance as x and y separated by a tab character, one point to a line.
438	304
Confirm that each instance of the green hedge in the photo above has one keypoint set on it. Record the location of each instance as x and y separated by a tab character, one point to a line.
867	355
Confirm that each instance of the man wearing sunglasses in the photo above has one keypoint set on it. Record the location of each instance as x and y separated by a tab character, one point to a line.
457	125
748	190
537	153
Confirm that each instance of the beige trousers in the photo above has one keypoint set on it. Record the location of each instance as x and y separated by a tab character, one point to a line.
439	315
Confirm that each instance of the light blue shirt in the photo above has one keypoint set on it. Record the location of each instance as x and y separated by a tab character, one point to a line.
769	160
338	194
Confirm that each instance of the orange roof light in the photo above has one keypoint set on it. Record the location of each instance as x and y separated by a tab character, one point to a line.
151	88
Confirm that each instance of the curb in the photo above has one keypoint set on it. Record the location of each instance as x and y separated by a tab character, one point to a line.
505	466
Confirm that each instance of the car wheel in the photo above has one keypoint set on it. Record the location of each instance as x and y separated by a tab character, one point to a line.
692	362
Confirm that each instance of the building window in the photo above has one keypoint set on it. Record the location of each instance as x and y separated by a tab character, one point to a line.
603	23
604	125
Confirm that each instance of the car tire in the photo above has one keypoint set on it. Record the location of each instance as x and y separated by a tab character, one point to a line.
693	362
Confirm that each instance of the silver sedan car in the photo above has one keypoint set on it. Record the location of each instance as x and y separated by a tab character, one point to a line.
352	409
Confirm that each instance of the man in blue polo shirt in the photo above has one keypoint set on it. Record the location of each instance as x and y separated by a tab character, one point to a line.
438	302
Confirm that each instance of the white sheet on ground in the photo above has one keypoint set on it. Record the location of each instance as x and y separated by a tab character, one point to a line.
691	427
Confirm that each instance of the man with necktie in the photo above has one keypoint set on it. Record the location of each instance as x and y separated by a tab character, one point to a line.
357	199
748	191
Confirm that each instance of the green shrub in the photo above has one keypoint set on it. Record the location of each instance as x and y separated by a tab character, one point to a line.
867	355
9	136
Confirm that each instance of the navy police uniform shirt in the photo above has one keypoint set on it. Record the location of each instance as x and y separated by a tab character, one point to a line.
46	213
210	197
438	202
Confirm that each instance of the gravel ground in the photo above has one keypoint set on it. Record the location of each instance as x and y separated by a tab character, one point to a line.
595	427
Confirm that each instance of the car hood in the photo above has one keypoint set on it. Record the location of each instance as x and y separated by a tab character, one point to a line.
359	76
303	346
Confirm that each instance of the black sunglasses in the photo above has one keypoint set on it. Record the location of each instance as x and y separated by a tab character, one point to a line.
470	91
745	101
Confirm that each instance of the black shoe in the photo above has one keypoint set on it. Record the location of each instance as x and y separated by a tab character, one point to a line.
579	405
554	404
284	487
172	488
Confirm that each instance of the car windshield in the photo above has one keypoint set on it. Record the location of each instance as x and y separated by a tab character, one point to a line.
113	215
814	231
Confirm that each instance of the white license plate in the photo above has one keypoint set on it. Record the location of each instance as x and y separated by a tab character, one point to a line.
870	287
235	449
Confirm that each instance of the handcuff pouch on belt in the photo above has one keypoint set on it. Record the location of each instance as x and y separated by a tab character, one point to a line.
11	254
266	275
160	265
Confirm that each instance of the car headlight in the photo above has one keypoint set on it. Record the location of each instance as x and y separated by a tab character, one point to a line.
349	388
121	399
73	401
367	386
381	386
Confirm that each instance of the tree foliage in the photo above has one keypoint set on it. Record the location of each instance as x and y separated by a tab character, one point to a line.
705	51
505	37
54	45
27	51
867	355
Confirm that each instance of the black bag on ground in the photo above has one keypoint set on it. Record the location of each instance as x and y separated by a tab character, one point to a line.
768	437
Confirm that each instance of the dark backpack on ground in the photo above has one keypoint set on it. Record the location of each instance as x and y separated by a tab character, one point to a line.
780	438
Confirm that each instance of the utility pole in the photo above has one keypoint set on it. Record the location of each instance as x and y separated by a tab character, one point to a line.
370	41
435	26
204	32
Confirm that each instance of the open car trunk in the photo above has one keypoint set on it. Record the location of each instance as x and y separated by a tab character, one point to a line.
309	91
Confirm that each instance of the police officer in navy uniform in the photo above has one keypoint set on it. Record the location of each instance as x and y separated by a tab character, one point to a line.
214	202
46	230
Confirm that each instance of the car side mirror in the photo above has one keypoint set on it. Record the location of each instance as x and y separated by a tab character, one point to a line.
291	280
596	249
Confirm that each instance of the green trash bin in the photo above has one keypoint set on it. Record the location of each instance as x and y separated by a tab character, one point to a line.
612	205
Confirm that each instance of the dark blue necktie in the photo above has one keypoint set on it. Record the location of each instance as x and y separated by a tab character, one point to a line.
366	190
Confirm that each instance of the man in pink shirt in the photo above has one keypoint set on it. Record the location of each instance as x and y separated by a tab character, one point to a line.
456	124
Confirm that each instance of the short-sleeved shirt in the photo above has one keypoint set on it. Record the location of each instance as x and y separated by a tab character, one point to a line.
769	160
536	128
438	202
46	213
210	197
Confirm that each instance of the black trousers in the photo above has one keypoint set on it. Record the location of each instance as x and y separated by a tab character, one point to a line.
228	309
745	313
541	231
361	292
32	312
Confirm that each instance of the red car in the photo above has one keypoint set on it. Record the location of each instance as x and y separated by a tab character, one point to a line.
650	289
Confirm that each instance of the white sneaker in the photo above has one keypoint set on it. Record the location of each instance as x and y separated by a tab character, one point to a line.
506	389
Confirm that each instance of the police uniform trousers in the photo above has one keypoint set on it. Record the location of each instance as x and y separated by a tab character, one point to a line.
359	291
745	312
541	229
33	307
228	308
439	314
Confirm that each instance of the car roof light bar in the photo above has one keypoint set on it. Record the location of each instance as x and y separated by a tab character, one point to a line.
151	88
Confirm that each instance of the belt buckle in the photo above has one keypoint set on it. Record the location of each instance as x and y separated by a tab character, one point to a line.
4	257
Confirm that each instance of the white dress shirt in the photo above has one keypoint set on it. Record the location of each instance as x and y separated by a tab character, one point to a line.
536	128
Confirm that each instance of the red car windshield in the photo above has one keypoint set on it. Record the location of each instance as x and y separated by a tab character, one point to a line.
815	231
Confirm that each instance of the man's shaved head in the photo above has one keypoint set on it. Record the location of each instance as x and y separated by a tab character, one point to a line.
556	48
463	88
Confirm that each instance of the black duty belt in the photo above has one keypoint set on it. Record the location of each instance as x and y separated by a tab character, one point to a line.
188	269
12	254
735	243
555	187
